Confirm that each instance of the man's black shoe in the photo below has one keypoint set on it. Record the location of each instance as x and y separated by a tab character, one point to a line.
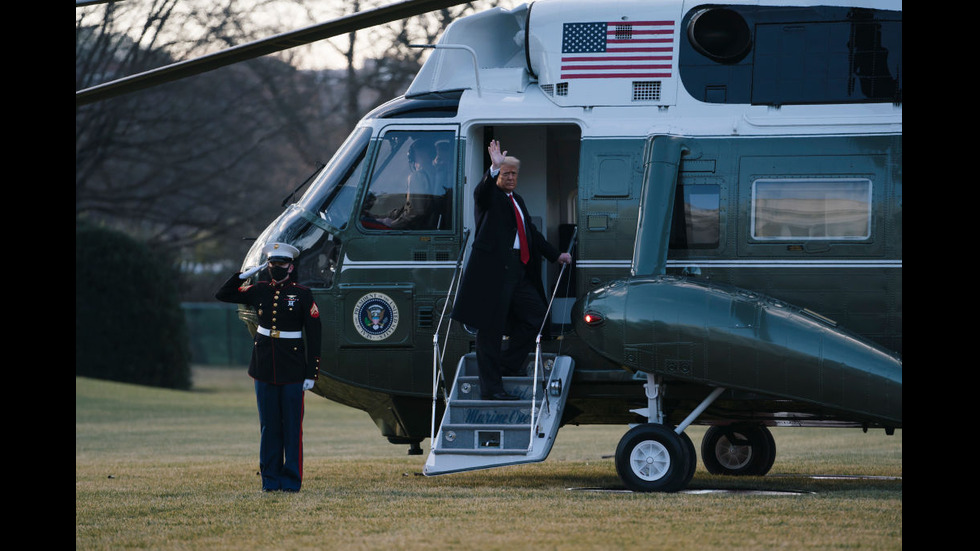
501	396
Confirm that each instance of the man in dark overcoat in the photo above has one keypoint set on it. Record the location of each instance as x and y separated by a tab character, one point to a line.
501	290
283	366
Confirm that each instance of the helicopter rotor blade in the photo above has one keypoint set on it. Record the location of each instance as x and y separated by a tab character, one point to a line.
258	48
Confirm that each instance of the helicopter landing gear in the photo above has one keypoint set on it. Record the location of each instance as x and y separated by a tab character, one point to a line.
654	457
738	450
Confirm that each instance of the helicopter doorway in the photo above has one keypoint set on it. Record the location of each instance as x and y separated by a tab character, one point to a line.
548	182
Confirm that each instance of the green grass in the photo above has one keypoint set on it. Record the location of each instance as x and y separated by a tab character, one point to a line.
161	469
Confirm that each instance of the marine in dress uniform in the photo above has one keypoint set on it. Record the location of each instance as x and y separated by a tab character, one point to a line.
283	366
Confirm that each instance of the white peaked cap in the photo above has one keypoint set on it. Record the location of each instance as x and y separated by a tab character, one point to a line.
280	250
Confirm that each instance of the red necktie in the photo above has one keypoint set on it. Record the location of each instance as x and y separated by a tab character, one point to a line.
525	255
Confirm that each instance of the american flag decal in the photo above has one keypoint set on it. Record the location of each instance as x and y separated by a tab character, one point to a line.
621	49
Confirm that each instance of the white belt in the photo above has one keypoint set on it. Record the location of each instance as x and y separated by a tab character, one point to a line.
276	334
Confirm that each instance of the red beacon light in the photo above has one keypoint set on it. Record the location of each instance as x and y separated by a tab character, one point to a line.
593	318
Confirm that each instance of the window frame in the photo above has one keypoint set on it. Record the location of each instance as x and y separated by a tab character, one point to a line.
754	208
379	165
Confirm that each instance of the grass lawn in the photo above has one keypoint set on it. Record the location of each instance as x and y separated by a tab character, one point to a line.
162	469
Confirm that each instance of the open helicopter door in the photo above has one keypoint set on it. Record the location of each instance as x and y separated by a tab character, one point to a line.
548	183
479	434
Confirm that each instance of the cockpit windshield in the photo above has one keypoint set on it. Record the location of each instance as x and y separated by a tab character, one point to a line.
330	198
332	194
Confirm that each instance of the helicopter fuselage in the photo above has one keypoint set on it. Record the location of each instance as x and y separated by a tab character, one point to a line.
736	204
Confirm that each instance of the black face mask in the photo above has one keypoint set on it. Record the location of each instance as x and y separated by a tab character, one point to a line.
279	272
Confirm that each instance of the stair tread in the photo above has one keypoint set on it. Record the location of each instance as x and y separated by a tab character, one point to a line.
467	420
480	451
487	426
468	378
497	404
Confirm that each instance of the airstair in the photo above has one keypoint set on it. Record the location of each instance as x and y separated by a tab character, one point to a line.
480	434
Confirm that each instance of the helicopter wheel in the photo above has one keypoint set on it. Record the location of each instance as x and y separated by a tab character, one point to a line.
738	450
653	458
692	457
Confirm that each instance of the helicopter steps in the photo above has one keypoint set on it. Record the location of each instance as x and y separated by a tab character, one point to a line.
481	434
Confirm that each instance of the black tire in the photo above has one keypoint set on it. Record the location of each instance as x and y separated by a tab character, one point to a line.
738	450
692	457
653	458
772	452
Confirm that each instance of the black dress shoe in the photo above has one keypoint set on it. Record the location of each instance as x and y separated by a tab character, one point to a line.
501	396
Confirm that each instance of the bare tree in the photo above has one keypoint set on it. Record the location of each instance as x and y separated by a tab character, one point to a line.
192	159
193	166
380	62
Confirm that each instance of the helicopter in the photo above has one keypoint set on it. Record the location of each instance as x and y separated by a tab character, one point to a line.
726	175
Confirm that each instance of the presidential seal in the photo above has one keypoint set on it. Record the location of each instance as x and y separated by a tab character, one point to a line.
375	316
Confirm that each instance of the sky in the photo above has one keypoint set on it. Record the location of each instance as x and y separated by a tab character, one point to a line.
321	54
324	54
286	16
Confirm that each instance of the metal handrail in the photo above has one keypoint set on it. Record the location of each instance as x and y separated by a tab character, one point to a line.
537	348
437	372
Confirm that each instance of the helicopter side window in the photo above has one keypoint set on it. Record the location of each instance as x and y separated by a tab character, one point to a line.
697	217
809	209
412	184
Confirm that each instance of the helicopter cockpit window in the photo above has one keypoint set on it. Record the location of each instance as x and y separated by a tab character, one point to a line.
332	194
412	183
810	209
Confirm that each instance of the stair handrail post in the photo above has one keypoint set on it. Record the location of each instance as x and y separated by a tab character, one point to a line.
571	245
534	390
437	372
435	389
453	284
537	352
